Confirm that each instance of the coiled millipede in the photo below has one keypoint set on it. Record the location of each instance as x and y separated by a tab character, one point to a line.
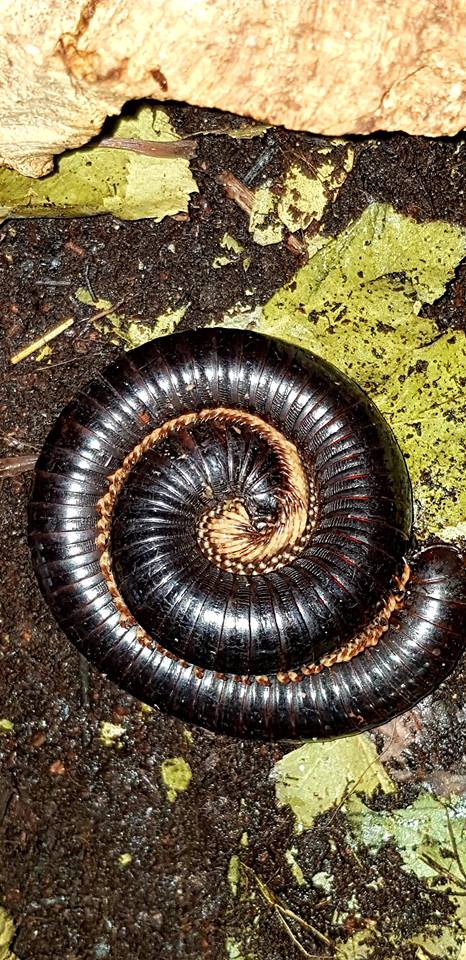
222	524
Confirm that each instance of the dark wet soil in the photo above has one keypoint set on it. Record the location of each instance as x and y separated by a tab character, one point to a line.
71	807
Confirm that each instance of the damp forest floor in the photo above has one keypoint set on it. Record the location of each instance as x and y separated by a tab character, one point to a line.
126	834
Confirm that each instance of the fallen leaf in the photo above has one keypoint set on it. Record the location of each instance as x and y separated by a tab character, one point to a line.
110	734
424	827
132	333
7	935
99	180
176	776
301	199
318	776
360	946
357	303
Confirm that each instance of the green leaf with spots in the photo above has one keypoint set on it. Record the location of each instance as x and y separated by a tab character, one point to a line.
357	303
302	197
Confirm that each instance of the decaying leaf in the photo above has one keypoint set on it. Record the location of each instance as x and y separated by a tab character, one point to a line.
110	734
301	199
132	333
176	776
361	946
430	836
7	935
318	776
233	248
101	180
290	857
432	945
234	950
357	302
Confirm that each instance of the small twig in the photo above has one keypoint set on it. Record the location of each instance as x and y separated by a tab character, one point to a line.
441	870
88	281
295	245
105	312
230	131
45	367
236	191
298	945
283	911
13	441
14	466
244	197
52	283
455	845
262	161
84	681
41	341
351	787
55	332
163	150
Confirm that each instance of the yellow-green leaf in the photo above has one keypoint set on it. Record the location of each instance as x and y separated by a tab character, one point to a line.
357	303
110	734
290	857
101	180
301	199
318	776
176	776
7	934
132	333
361	946
430	834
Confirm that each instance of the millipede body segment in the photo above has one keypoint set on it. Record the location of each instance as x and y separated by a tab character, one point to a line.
222	524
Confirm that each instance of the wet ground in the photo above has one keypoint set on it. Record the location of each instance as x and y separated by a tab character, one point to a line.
98	860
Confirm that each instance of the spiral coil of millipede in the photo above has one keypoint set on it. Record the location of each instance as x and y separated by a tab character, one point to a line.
222	524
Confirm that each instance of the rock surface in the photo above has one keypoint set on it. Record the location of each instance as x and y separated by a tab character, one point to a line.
329	66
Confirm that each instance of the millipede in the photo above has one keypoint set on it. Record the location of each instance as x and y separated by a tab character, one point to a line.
222	523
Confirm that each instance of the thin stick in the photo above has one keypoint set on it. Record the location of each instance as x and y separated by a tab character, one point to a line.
55	332
162	150
441	870
236	191
298	945
275	904
13	466
41	341
105	312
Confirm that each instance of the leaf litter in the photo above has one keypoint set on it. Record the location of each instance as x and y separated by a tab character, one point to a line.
96	179
358	302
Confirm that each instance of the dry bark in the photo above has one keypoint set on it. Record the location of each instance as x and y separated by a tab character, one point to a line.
329	66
